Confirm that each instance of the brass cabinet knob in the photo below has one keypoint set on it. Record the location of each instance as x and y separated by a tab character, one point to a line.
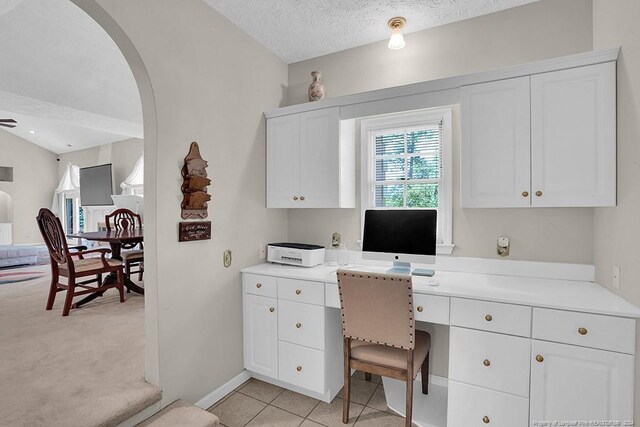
295	197
298	291
539	358
486	362
488	318
258	285
271	309
582	331
525	194
420	309
299	369
302	198
486	420
539	193
298	325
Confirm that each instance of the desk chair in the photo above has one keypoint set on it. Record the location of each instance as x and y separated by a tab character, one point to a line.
124	219
64	263
379	332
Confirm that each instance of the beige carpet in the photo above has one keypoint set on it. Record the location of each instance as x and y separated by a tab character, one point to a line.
86	369
182	414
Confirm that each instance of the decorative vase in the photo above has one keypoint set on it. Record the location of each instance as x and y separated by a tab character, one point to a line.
316	89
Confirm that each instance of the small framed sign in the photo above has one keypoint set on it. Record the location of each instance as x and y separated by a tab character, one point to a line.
197	230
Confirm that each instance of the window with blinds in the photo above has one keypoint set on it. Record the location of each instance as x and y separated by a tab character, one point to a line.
406	167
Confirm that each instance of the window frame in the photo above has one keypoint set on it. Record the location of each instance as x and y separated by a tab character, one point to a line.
445	189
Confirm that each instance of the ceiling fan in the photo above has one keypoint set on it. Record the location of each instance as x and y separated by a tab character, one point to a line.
8	123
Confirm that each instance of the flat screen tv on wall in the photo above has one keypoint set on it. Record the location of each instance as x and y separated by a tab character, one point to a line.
96	185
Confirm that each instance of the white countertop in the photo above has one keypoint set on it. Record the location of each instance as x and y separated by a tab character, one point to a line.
570	295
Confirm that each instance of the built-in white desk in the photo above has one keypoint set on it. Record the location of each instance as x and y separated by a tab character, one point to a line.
523	351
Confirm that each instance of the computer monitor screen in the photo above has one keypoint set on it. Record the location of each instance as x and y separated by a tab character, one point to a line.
400	235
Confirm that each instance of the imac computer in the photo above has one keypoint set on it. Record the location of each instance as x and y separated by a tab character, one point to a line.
402	236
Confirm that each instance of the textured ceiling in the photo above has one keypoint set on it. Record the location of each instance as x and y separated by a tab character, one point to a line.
296	30
63	77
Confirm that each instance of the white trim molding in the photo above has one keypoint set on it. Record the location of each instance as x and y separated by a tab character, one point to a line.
446	84
210	399
445	190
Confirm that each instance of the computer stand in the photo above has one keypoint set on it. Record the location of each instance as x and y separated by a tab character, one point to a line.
405	268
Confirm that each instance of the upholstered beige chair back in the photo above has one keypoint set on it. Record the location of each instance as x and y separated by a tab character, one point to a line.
377	308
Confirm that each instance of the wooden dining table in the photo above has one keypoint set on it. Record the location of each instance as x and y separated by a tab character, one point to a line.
115	238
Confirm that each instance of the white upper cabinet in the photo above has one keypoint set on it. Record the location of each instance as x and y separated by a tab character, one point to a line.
546	140
573	137
283	164
495	144
310	160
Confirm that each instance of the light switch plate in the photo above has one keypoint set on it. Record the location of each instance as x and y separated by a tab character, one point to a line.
616	277
226	258
263	252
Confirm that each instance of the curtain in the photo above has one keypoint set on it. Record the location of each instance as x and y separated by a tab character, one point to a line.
70	182
135	178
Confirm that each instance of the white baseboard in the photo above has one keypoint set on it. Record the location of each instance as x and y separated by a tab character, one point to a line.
217	394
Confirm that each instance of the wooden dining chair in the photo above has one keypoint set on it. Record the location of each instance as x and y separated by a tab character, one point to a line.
74	265
378	328
125	219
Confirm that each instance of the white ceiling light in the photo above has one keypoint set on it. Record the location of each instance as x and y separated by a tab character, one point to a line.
397	39
32	132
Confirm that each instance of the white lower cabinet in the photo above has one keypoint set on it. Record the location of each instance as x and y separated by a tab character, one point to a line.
290	339
471	406
261	335
578	384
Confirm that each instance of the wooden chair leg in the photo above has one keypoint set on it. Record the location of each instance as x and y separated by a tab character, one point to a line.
120	283
367	376
409	407
140	271
53	290
68	301
424	369
347	381
127	266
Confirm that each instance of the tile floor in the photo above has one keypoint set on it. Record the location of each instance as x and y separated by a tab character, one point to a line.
256	403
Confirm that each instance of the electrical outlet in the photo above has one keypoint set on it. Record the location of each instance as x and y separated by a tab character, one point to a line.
226	258
263	251
616	277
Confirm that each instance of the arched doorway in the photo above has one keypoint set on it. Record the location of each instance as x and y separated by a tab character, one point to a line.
6	218
133	58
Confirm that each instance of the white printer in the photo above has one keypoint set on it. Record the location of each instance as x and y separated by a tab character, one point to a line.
299	254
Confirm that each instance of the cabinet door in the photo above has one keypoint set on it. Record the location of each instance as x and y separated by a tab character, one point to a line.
573	131
261	335
495	144
283	161
571	383
320	158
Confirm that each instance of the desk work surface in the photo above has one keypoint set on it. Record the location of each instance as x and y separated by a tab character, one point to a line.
587	297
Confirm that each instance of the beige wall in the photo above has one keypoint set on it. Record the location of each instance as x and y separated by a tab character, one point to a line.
617	230
540	30
122	155
211	84
34	180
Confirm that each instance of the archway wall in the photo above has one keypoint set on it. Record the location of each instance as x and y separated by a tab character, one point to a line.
201	79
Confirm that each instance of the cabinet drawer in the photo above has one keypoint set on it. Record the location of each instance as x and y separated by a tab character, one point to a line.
259	285
301	291
491	316
301	366
495	361
431	308
588	330
301	324
471	406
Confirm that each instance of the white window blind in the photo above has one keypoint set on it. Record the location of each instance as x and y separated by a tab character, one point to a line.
408	167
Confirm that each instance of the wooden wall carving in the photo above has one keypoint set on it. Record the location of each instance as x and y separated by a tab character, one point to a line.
194	184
